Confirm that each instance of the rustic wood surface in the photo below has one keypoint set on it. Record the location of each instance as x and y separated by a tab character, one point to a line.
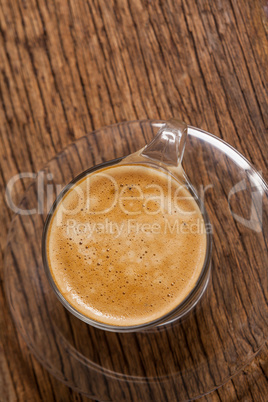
69	67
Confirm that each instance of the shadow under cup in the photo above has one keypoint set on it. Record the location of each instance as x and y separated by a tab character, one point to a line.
179	311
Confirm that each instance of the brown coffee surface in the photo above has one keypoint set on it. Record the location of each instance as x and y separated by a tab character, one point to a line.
126	245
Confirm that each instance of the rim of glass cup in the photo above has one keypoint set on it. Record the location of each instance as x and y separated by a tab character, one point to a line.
175	314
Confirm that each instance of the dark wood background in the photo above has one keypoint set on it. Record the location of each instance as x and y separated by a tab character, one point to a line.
69	67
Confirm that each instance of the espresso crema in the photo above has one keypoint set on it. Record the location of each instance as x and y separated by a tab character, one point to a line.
126	244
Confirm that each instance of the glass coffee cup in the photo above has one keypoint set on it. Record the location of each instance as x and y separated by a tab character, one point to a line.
163	154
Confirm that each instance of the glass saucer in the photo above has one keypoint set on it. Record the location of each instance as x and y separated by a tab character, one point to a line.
180	361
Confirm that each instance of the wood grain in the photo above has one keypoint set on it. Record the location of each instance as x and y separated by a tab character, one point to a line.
70	67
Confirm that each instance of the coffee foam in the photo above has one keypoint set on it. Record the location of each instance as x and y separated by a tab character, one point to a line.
140	273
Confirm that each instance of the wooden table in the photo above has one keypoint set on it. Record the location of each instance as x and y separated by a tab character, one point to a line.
69	67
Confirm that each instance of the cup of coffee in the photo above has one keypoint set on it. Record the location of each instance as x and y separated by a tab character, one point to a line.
125	245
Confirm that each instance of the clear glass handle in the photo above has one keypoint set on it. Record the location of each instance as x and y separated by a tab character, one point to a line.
169	143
